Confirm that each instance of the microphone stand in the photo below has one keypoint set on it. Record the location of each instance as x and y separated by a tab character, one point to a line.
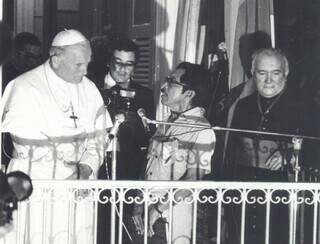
296	211
113	193
297	142
296	139
119	119
114	158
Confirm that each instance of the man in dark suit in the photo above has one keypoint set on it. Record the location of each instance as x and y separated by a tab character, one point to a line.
254	157
122	94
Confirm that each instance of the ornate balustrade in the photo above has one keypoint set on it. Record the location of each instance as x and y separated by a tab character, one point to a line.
301	201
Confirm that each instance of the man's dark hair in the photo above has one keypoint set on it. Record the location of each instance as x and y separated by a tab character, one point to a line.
125	44
24	38
248	44
198	79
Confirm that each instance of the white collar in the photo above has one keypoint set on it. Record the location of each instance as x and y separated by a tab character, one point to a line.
109	81
196	111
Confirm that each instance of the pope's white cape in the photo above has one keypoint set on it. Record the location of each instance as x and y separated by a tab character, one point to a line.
36	109
37	113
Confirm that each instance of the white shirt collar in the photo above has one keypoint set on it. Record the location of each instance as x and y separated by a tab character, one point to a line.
109	81
196	111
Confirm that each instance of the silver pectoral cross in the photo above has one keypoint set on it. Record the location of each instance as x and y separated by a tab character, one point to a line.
73	116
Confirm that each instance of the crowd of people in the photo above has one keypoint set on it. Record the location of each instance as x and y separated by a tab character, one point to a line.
59	122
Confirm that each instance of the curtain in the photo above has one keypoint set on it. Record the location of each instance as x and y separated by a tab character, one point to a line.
166	17
243	17
189	36
25	16
179	37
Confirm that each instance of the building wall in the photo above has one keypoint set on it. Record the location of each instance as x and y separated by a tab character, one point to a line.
38	19
68	15
29	17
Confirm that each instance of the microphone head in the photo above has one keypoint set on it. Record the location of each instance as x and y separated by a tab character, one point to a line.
222	47
119	117
141	112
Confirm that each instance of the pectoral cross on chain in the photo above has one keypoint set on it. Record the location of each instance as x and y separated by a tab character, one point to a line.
73	116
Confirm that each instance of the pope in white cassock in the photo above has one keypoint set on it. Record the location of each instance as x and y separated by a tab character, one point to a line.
56	118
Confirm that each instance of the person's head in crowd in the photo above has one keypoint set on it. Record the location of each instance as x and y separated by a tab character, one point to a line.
248	44
123	60
186	87
70	54
27	51
15	186
270	69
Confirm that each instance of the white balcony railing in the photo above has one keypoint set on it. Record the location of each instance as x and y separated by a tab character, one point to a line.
297	196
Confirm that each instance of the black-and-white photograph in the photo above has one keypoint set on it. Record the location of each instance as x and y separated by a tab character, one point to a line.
160	122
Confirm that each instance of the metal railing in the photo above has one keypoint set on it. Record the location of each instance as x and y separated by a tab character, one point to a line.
297	198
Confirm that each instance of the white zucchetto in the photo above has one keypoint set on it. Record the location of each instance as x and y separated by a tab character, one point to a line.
68	37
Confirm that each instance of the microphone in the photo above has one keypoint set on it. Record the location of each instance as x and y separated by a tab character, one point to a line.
223	50
218	60
118	120
142	114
